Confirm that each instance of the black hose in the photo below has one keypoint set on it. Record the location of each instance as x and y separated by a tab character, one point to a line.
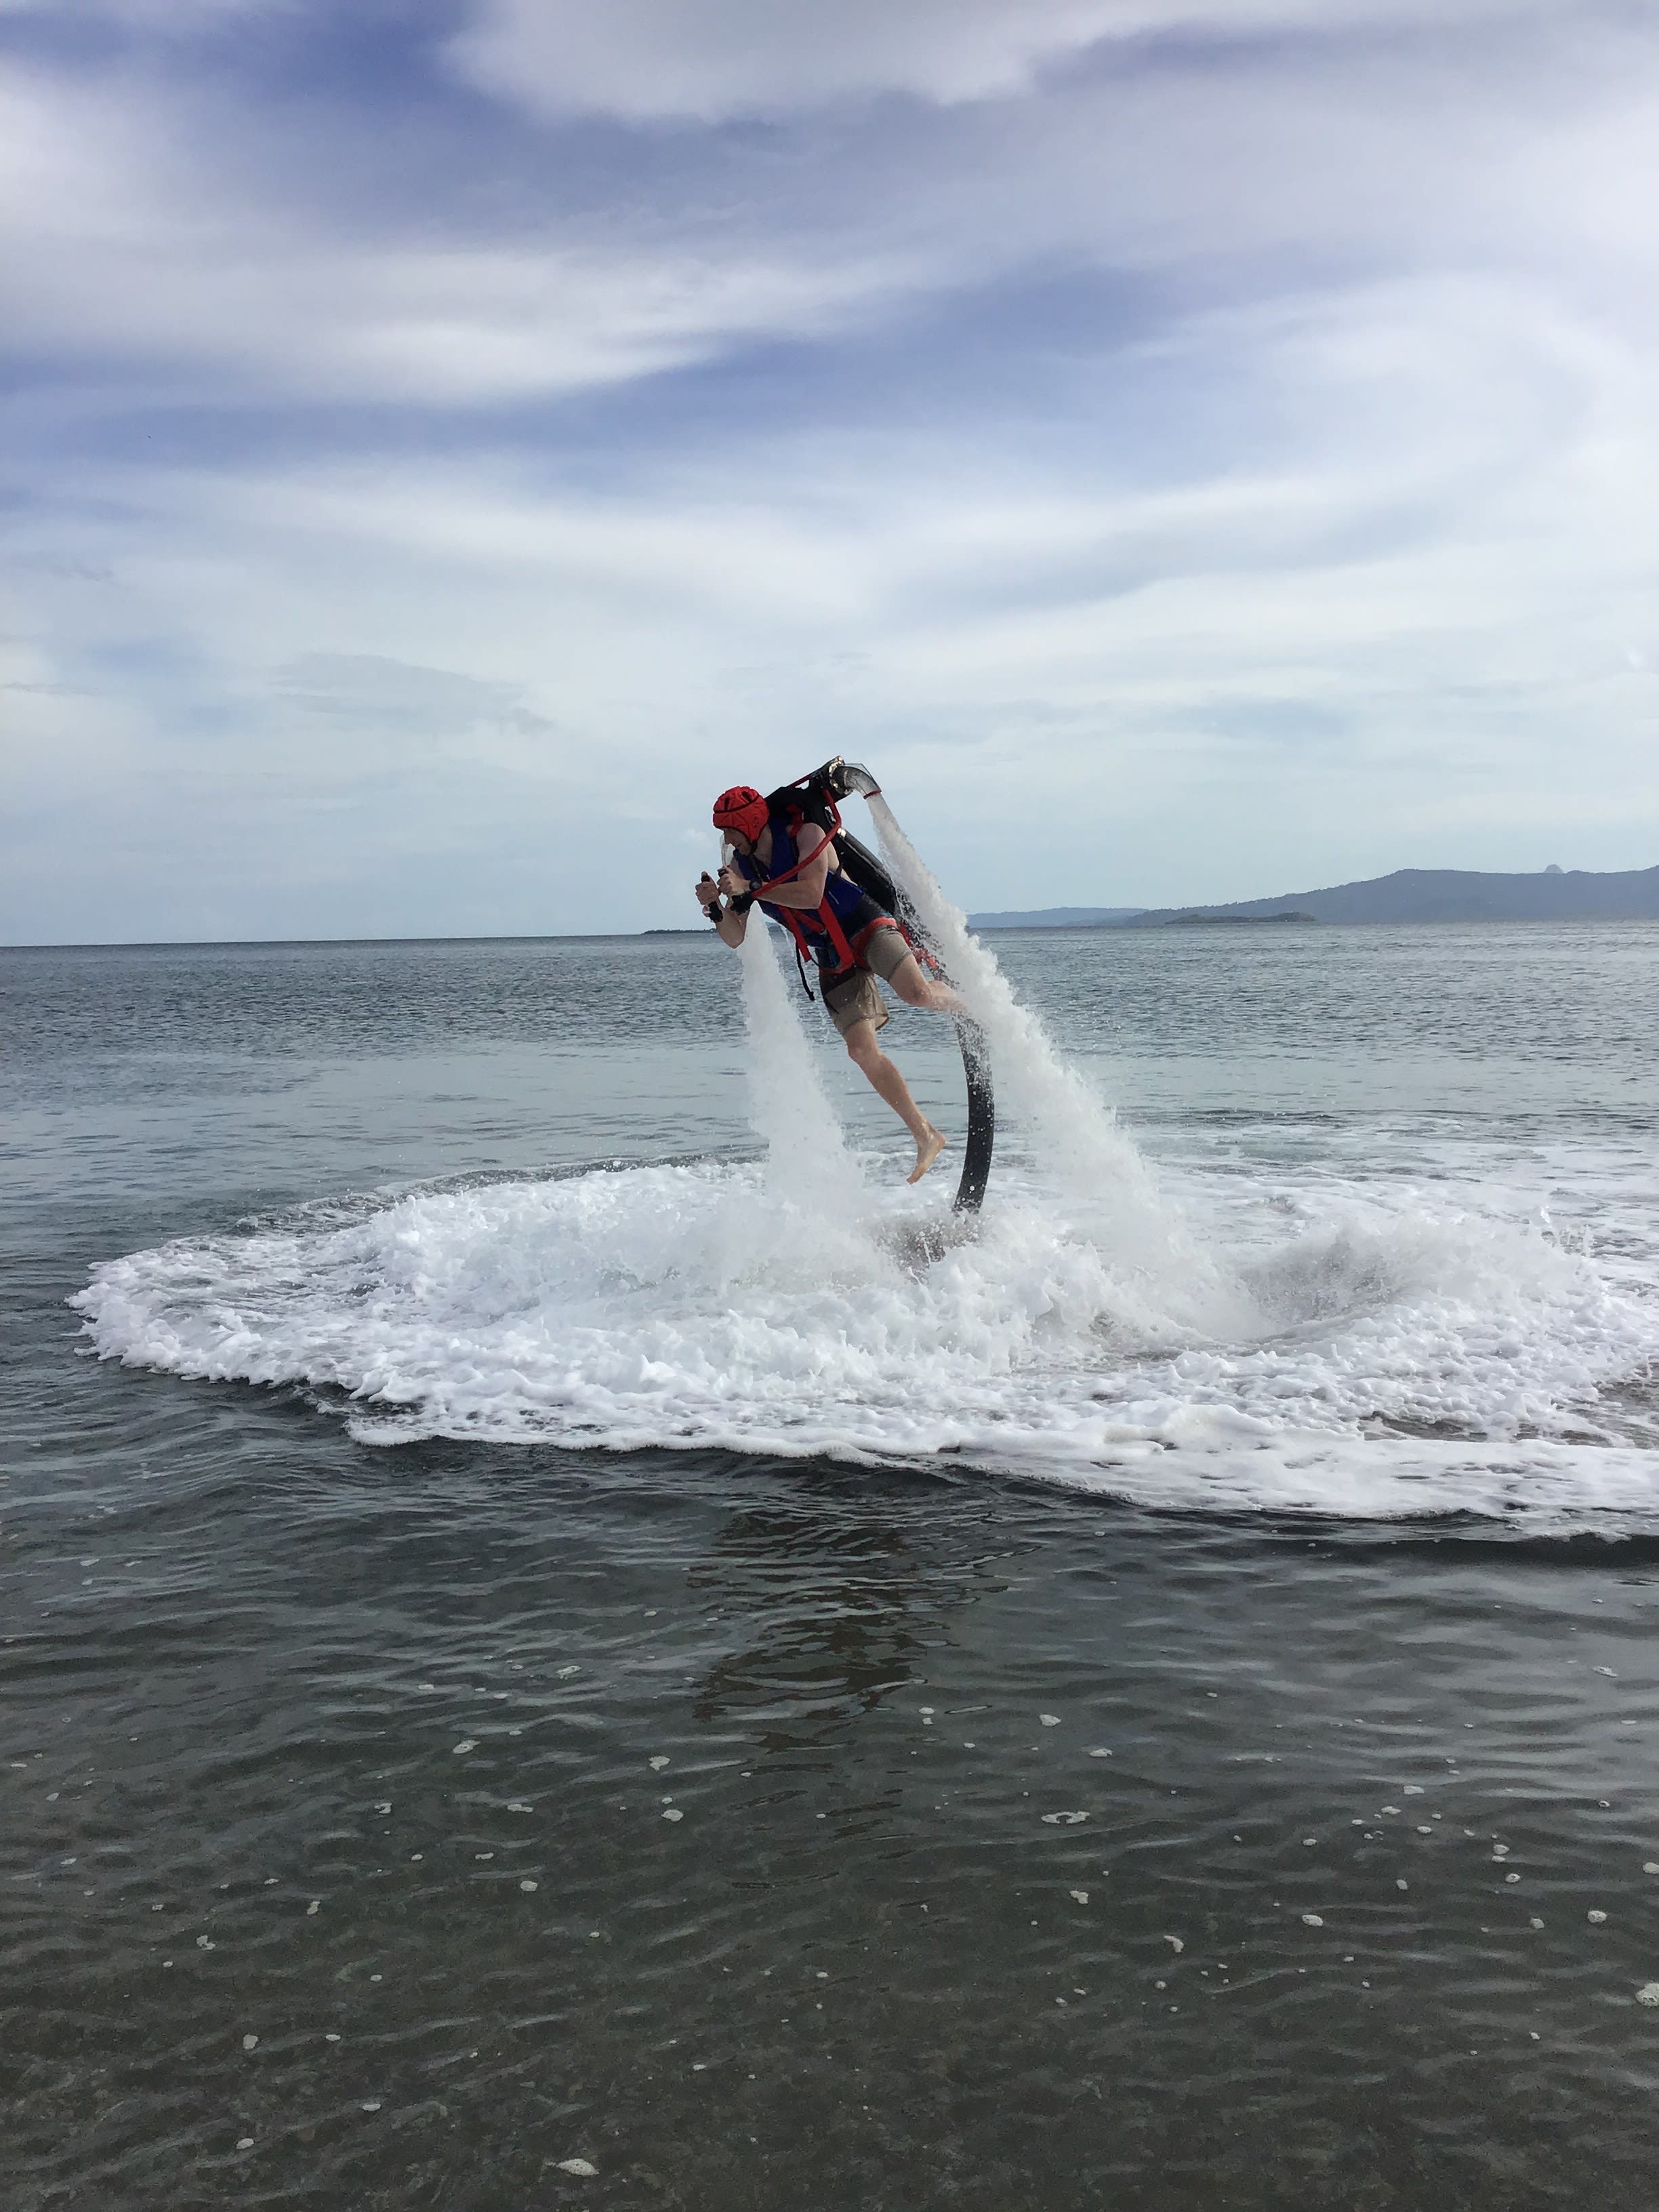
869	873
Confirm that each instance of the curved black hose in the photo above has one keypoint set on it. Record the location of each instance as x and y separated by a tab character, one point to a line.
869	873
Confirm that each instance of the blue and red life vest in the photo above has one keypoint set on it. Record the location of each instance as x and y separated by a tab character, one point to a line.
834	934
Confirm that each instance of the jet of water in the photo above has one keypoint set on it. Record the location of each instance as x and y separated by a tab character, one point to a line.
1096	1163
808	1166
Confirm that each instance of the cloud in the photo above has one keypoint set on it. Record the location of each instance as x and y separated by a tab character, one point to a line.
1178	462
353	691
132	238
647	59
174	233
1369	644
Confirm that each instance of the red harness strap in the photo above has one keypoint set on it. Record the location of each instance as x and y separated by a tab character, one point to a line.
845	956
788	875
849	952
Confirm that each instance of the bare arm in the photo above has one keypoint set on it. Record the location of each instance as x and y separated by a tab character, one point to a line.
807	888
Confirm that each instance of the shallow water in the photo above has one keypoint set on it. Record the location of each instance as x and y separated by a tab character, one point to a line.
1290	1442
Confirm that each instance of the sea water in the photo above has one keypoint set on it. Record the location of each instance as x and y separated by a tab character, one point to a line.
530	1596
1373	1336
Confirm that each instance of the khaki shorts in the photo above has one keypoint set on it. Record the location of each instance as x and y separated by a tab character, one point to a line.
855	998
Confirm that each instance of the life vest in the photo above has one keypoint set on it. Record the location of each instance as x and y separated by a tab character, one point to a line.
834	932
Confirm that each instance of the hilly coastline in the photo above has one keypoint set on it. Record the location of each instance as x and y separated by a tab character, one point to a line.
1407	895
1057	917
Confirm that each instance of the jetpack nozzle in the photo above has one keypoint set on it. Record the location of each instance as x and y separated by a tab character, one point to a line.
844	777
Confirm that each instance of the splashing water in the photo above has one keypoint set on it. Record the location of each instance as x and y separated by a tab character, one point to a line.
808	1166
1090	1159
815	1198
1388	1357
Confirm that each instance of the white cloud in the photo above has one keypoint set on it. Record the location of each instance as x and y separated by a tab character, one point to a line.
660	58
142	228
1372	651
1324	526
128	237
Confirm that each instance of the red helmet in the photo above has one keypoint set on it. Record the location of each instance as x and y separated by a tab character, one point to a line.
742	809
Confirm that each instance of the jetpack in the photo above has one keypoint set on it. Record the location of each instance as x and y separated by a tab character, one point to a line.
815	798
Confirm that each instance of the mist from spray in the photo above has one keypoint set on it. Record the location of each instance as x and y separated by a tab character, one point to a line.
1109	1185
813	1184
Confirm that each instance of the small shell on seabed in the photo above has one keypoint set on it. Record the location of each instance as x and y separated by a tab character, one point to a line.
466	1743
1049	1720
1595	1915
565	1672
579	2166
1063	1820
249	2043
657	1764
315	1905
673	1814
244	2143
528	1885
1648	1994
1079	1897
1175	1942
1312	1920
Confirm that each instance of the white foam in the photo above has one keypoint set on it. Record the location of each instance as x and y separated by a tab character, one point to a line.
582	1312
1108	1184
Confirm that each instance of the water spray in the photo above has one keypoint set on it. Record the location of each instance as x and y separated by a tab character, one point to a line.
838	779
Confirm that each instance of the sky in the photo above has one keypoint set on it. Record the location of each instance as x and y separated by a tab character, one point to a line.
1189	450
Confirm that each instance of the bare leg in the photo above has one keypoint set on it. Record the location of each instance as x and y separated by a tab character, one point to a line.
919	990
885	1079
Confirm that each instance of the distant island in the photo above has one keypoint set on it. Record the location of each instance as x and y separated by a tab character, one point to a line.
1235	920
1055	917
1408	895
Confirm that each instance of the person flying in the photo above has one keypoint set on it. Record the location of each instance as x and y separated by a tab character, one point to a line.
847	934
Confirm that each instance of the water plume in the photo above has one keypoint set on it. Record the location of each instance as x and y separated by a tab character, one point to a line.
1111	1190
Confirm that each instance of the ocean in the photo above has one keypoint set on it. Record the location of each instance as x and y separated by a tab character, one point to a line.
566	1642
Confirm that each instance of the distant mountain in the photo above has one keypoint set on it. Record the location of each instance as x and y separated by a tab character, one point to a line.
1055	917
1451	895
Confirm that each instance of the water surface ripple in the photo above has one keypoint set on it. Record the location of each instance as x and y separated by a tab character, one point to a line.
1036	1843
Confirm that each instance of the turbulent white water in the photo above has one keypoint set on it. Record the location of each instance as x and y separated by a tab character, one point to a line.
1235	1332
1109	1190
583	1310
809	1169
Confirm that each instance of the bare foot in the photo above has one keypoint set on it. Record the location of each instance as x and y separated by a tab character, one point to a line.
928	1149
